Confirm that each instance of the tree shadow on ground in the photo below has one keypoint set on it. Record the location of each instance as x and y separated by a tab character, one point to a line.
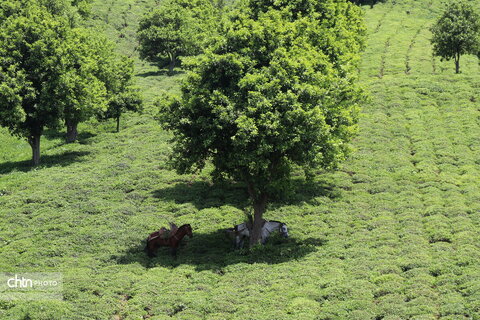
203	194
161	72
47	161
83	136
214	251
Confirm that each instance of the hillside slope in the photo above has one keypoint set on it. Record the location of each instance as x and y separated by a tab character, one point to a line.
394	234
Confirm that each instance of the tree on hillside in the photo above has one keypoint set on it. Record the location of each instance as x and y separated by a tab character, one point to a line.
82	93
97	81
51	72
30	71
116	72
456	32
65	8
84	77
179	28
275	92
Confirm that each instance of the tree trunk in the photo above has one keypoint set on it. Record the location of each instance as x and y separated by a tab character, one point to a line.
72	132
118	122
34	141
258	209
259	205
457	63
171	66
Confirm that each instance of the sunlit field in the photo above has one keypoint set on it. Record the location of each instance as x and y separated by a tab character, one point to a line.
393	234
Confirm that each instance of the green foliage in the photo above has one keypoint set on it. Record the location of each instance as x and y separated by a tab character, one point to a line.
392	235
117	74
72	62
179	28
275	92
82	93
119	22
84	7
31	70
457	32
67	8
334	27
8	8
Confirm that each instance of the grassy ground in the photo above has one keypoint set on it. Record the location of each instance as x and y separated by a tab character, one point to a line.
394	234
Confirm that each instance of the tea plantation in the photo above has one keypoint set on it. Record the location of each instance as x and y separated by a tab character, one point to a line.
393	234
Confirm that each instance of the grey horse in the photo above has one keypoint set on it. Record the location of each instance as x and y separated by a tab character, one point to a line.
242	231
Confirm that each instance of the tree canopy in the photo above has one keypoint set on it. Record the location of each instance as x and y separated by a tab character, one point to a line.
83	94
275	92
52	71
122	95
456	32
177	29
31	69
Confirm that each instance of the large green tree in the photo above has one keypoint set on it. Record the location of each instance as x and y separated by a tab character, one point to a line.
179	28
31	51
275	92
456	32
53	71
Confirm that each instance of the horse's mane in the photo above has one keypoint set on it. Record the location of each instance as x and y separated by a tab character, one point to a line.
276	221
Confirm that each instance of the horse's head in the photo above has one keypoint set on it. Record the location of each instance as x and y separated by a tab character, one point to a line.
284	230
188	230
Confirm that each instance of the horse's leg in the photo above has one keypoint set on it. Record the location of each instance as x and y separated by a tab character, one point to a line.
147	248
173	245
242	242
239	242
150	250
236	242
153	247
174	249
264	236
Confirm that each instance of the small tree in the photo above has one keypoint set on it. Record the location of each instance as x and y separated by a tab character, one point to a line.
179	28
116	72
48	70
456	32
30	72
275	92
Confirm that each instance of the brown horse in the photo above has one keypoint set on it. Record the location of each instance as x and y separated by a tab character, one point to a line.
162	238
